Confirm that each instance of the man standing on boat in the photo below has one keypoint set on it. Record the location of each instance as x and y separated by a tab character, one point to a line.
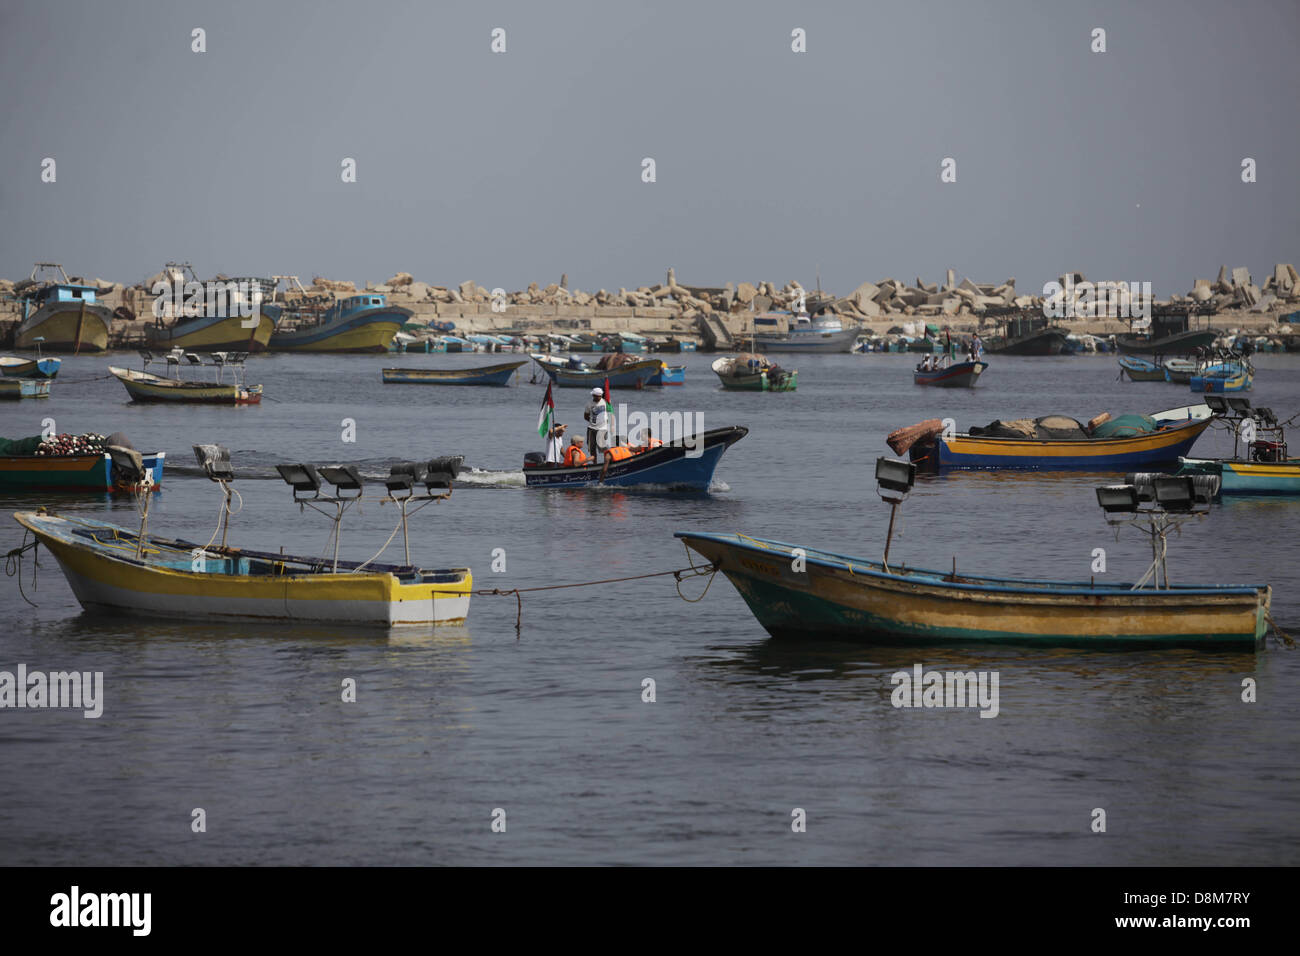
596	415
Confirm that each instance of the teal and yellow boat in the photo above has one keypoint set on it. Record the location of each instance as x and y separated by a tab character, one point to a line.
1238	477
808	594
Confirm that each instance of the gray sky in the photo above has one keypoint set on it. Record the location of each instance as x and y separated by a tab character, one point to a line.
515	167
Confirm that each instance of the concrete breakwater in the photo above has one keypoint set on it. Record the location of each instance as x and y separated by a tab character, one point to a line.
722	315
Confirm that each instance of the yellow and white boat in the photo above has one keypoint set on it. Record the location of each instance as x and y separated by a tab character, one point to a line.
62	317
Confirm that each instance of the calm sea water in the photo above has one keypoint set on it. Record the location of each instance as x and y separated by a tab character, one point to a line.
247	721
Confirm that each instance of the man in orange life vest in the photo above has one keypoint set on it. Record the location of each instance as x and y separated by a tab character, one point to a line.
575	456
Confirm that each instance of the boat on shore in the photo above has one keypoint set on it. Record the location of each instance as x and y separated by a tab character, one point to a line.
1055	442
13	366
749	372
61	316
842	597
485	375
359	323
677	465
116	569
621	372
955	375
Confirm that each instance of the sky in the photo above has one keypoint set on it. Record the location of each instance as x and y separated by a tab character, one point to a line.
519	166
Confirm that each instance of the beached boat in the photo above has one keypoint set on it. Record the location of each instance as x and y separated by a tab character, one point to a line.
754	373
836	596
677	465
1055	443
12	366
24	388
1140	370
956	375
146	387
61	316
115	569
789	332
485	375
359	323
629	374
1170	332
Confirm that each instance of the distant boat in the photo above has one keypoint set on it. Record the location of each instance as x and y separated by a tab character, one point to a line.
839	597
1026	333
1179	370
1234	375
1140	370
1273	478
956	375
485	375
61	316
24	388
749	372
226	328
673	466
14	367
823	332
669	375
1170	333
632	374
359	323
143	386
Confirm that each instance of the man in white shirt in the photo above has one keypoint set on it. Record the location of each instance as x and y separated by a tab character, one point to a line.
597	418
555	444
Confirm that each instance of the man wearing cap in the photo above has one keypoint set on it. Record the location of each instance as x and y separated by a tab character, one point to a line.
597	418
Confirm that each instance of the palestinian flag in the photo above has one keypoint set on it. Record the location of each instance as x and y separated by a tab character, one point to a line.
546	416
609	406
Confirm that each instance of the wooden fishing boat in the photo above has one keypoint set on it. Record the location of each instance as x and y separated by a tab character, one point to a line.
1219	377
669	375
636	374
1175	432
62	316
956	375
835	596
677	465
1140	370
359	323
25	388
749	372
80	473
1179	370
226	313
1024	332
816	331
485	375
1171	332
12	366
1240	477
146	387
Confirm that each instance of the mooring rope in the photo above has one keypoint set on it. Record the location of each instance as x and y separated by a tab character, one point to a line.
1281	634
14	565
694	570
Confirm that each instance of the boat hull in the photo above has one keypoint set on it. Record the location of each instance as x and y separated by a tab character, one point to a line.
631	375
164	585
1045	342
89	473
670	375
1182	343
143	387
960	375
1280	479
14	367
842	598
1043	454
669	466
24	388
1140	370
369	330
499	375
65	327
811	342
225	334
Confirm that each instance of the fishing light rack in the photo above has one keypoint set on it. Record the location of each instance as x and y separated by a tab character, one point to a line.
128	468
438	475
215	462
894	479
1157	504
305	480
1269	441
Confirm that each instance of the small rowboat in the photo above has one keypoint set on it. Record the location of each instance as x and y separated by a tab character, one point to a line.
14	367
93	472
145	387
957	375
677	465
671	375
808	594
754	373
628	375
25	388
1141	370
1180	371
486	375
1223	377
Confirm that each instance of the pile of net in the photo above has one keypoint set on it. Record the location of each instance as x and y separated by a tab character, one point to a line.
1049	426
56	446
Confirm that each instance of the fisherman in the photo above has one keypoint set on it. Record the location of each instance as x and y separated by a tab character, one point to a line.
575	456
555	444
597	417
976	347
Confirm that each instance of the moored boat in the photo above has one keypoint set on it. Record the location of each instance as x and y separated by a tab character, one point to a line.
1170	332
819	332
1180	370
68	463
749	372
669	375
13	366
144	386
1234	374
485	375
1025	332
61	316
359	323
630	373
1140	370
25	388
215	316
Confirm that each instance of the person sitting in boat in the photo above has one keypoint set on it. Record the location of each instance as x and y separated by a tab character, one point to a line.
927	364
555	444
644	441
596	415
618	453
575	457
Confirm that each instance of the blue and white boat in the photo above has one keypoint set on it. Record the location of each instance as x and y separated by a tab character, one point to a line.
359	323
790	332
674	466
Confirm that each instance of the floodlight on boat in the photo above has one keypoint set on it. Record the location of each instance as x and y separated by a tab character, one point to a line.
344	478
895	475
1216	404
1239	404
215	461
127	463
402	478
1118	499
300	477
441	472
1175	493
1144	483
